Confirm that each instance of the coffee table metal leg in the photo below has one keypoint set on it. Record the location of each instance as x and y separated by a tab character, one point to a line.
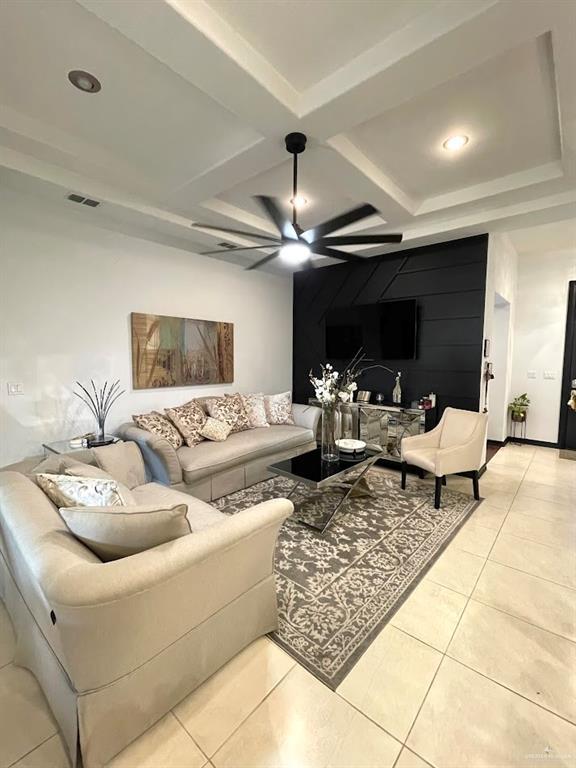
296	485
346	495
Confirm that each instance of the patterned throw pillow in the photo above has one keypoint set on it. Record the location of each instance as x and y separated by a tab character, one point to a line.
255	409
67	491
159	425
279	408
215	430
189	419
230	409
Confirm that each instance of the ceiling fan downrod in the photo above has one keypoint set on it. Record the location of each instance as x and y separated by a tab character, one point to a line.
295	145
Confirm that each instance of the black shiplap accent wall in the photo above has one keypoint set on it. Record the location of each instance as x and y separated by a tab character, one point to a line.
448	281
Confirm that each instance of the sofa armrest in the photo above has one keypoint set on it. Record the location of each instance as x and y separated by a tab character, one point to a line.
307	416
121	613
161	459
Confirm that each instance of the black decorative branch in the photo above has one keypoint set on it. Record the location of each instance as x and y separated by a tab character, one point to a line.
100	401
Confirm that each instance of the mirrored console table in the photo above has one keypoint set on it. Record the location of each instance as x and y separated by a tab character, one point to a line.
384	425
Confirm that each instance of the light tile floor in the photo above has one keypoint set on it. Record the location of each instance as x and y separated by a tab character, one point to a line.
477	669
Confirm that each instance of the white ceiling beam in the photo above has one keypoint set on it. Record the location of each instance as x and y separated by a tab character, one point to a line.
472	34
514	181
197	44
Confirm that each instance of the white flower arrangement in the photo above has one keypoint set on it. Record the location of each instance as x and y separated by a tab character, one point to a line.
332	387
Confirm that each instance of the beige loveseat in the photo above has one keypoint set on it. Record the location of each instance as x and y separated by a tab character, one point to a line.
213	469
116	645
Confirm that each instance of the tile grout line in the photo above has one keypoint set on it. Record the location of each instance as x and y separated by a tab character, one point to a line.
469	597
249	715
56	733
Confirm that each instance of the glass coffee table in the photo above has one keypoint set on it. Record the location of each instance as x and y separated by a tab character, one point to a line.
332	477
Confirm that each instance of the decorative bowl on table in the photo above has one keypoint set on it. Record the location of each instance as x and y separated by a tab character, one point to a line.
347	445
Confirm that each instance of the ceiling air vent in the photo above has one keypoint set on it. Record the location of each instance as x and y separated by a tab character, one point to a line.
228	246
83	200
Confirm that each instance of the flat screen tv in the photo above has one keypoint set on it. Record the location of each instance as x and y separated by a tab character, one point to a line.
386	331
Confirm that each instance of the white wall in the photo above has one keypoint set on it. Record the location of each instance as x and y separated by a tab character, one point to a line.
66	293
501	279
500	385
539	335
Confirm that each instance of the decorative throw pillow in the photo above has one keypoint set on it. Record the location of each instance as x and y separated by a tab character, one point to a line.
89	470
279	408
123	461
67	491
230	409
215	429
114	532
254	405
159	425
189	419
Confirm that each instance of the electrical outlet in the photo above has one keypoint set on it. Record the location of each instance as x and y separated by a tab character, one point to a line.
15	388
531	374
549	375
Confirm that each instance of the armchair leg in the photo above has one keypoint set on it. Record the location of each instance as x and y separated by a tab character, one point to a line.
437	492
475	485
443	479
420	473
403	468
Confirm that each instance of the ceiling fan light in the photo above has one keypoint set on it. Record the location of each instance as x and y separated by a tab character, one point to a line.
294	253
454	143
298	202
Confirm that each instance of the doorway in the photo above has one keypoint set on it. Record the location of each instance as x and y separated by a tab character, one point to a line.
500	385
567	427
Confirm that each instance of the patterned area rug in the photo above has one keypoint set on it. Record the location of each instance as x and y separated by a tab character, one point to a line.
337	590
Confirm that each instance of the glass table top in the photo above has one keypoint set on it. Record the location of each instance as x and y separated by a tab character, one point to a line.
309	468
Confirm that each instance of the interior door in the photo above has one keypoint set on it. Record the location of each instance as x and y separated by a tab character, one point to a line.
567	431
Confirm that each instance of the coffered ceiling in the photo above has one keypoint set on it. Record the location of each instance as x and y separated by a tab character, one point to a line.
197	96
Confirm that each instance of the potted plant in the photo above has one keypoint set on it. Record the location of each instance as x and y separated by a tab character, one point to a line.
519	407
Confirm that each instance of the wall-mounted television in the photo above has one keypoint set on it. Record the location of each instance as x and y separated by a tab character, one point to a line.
386	331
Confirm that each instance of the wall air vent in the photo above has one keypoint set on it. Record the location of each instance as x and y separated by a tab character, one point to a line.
83	200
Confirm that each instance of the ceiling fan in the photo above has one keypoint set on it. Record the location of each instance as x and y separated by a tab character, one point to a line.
295	245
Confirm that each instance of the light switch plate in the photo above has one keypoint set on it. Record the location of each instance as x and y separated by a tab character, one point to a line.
531	374
15	388
549	374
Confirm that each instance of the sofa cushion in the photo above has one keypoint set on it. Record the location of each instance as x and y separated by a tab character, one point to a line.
89	470
425	458
214	429
200	514
123	461
115	532
73	491
210	458
159	425
231	410
279	408
255	409
189	419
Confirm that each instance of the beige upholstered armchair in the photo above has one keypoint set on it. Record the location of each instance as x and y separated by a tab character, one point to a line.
455	446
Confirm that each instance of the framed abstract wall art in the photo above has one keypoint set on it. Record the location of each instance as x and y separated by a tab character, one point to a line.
178	352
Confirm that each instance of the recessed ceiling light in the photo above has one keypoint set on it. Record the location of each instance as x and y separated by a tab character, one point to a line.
294	253
84	81
298	202
454	143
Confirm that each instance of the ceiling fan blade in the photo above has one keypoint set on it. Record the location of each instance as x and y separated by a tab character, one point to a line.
235	231
322	250
362	239
271	207
235	250
341	221
265	260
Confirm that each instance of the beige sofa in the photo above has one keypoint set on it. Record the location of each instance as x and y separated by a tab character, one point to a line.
213	469
116	645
